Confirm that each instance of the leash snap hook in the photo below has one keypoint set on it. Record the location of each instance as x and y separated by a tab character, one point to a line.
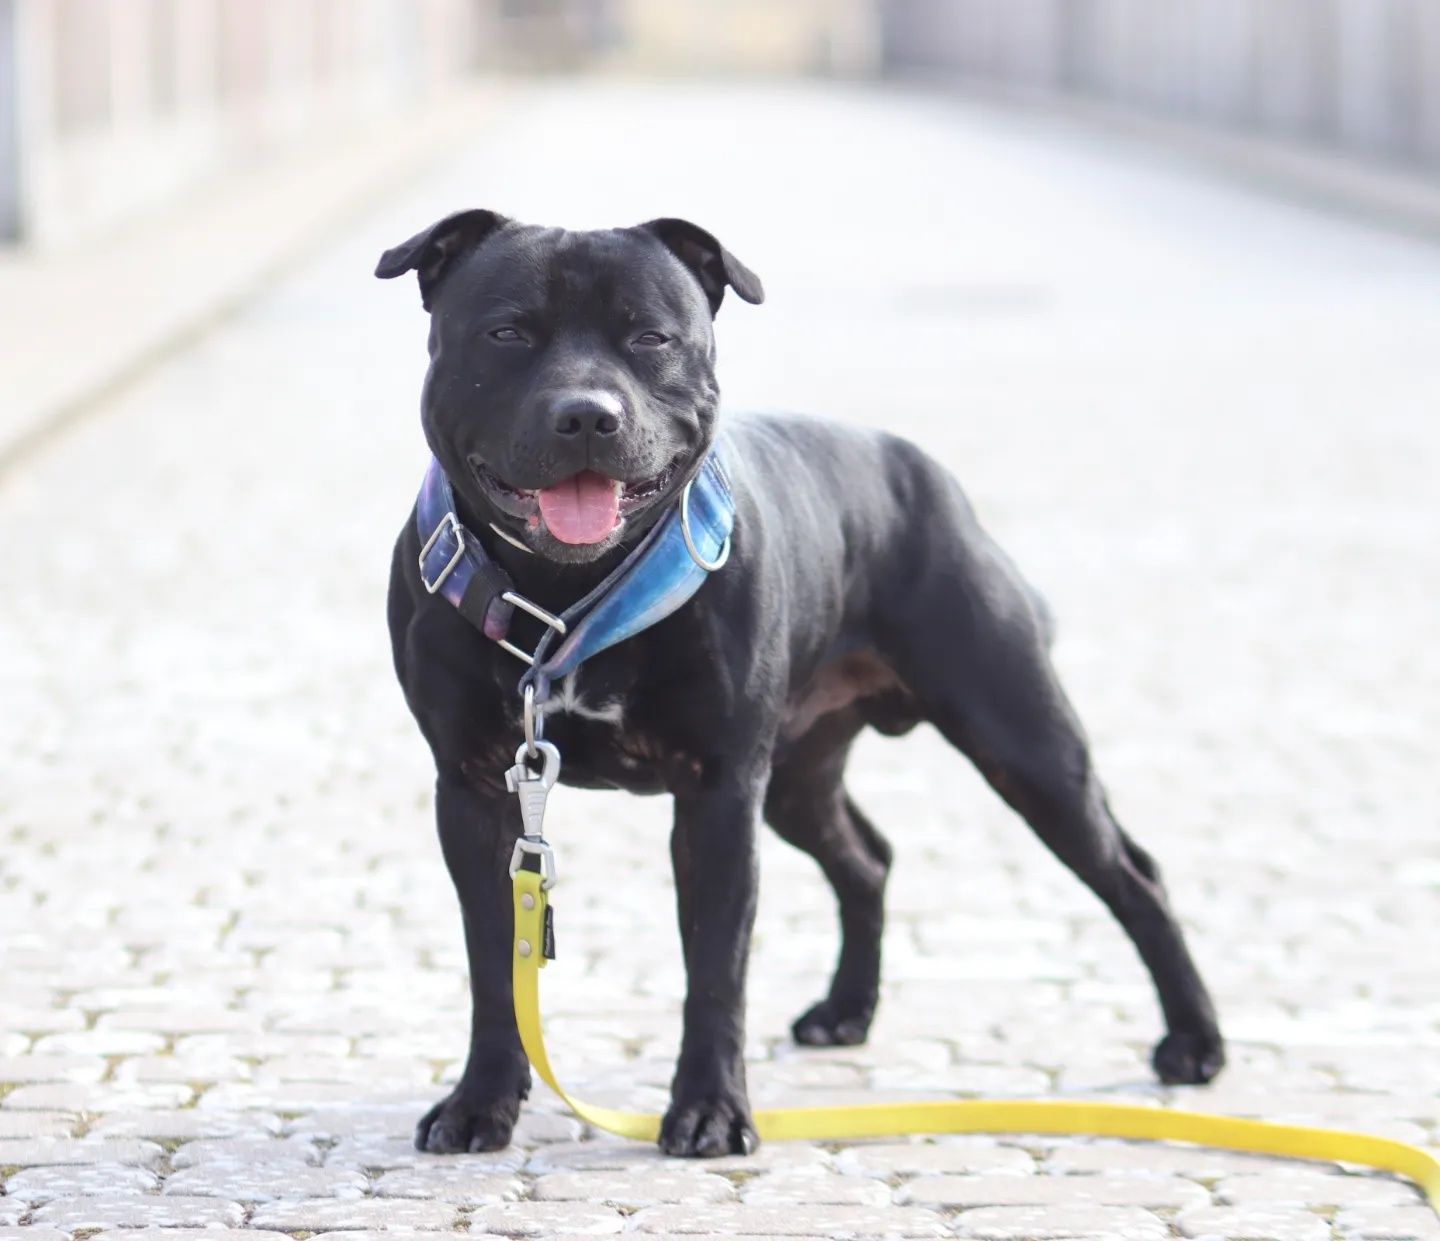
533	787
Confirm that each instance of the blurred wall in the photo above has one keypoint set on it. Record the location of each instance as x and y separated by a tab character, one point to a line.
1360	74
747	36
111	106
115	104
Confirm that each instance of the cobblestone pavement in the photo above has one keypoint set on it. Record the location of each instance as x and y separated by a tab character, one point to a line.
1203	420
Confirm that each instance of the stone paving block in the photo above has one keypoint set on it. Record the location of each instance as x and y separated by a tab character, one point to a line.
910	1158
803	1189
389	1121
966	1080
165	1123
546	1219
246	1152
40	1184
265	1182
49	1097
539	1128
786	1221
771	1157
197	1234
179	1021
1060	1223
1368	1223
98	1042
106	1097
129	1210
33	1020
30	1232
601	1154
390	1234
47	1068
635	1187
382	1153
445	1181
1155	1159
257	1044
327	1215
977	1191
25	1124
1309	1190
1259	1223
171	1068
43	1152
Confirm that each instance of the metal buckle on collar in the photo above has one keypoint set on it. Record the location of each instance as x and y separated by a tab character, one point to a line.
458	531
540	614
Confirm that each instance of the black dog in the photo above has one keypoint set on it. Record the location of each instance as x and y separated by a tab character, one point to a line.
570	397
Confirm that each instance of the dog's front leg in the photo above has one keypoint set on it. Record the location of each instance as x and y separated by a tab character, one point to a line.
478	828
713	850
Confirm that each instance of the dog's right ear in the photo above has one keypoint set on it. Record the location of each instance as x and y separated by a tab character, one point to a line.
430	252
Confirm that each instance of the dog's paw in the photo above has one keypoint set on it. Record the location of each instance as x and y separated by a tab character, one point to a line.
828	1024
461	1122
1183	1058
708	1128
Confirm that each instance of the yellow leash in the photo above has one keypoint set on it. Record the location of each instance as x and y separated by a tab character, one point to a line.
1039	1116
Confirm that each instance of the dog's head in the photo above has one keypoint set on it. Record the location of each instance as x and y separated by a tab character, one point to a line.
571	388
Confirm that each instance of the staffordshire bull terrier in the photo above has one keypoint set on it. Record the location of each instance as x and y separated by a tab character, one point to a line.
570	398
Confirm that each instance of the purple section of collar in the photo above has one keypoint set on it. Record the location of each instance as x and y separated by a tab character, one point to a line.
433	509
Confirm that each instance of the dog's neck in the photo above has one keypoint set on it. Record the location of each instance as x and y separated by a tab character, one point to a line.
552	584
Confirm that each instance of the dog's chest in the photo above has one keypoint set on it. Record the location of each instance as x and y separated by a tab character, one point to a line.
607	738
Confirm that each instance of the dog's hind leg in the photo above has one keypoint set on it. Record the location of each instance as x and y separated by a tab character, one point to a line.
972	646
808	807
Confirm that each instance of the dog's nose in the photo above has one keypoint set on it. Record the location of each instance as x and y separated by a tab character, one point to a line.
586	413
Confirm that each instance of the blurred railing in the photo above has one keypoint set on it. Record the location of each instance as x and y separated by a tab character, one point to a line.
1359	74
110	105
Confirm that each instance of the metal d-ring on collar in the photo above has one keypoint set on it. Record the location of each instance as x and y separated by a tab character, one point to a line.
708	565
540	614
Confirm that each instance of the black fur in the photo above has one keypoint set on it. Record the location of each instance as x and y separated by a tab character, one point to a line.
837	610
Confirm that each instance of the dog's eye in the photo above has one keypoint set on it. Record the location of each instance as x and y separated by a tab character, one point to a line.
651	340
508	336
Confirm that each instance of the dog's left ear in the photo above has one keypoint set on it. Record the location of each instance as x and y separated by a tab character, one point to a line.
433	249
714	266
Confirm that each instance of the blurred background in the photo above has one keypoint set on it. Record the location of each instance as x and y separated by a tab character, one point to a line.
106	108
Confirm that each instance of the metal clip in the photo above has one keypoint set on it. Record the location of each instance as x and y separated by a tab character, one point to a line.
548	873
533	789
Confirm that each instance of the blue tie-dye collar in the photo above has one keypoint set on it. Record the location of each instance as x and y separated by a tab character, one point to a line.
653	581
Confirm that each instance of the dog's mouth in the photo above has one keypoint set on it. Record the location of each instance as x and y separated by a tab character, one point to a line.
584	509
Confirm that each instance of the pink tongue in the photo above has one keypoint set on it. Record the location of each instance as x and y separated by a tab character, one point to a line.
583	509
